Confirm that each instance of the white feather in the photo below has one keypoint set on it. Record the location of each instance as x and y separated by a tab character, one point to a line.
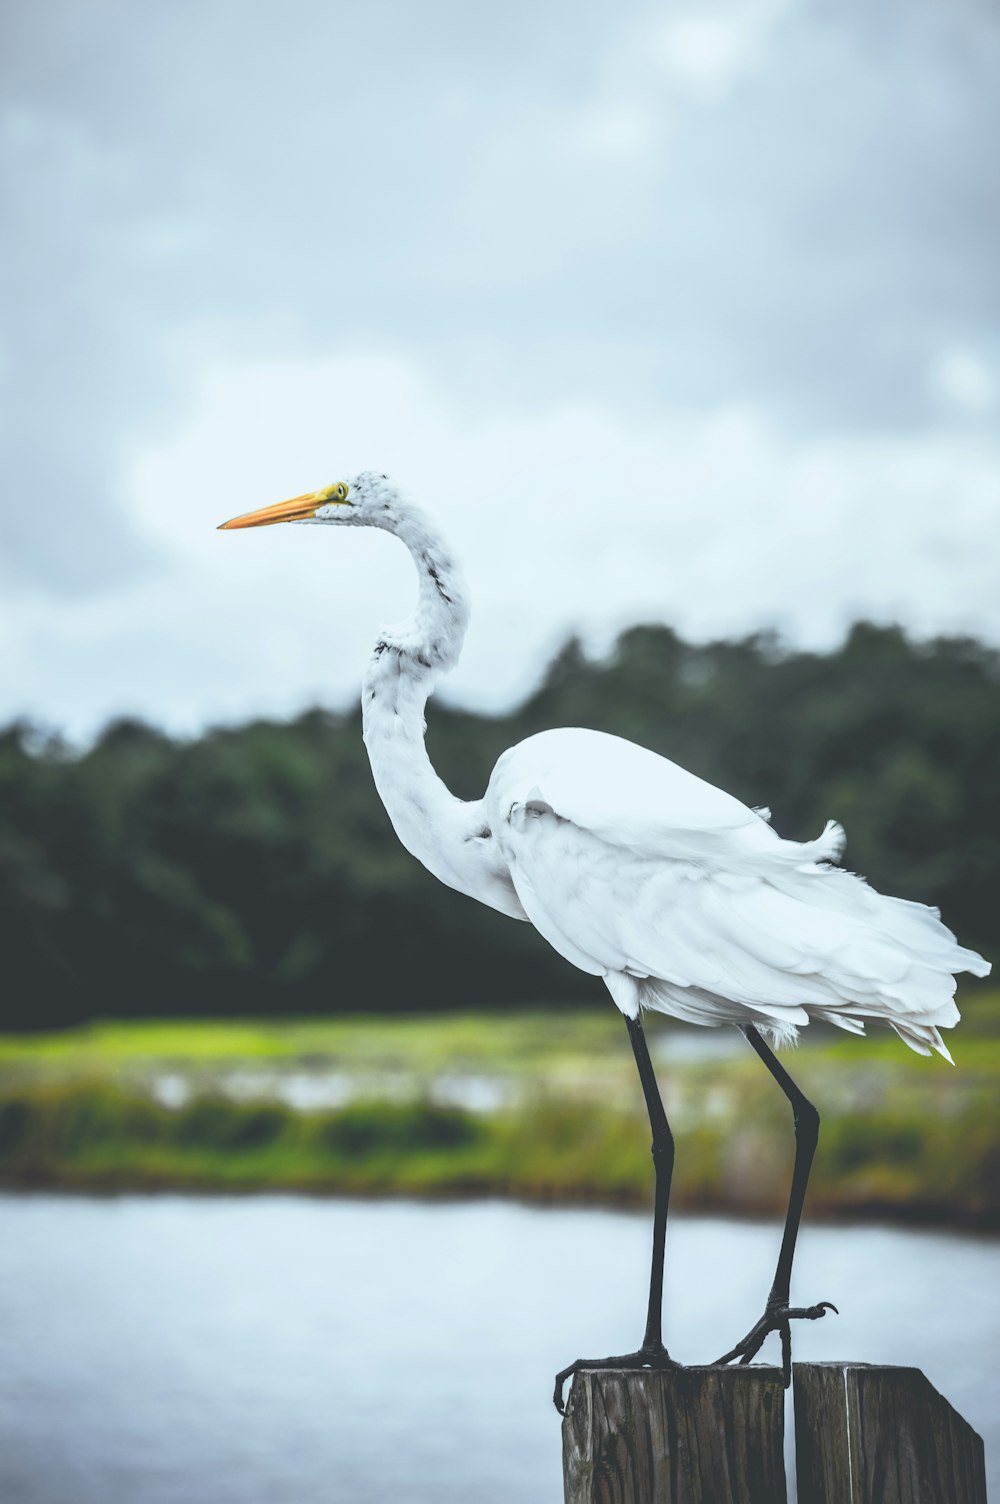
632	867
679	896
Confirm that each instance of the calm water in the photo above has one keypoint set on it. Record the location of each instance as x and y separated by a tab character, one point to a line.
177	1349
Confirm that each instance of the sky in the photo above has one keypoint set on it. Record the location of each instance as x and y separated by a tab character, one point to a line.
684	312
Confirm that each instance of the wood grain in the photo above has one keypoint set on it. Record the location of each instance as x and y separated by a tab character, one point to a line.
690	1436
872	1435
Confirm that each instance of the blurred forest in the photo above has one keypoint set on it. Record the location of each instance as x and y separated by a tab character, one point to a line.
253	870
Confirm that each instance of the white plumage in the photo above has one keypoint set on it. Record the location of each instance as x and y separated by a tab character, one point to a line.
679	896
687	902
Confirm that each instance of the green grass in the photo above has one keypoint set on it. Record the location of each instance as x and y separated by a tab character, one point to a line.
901	1136
519	1040
525	1041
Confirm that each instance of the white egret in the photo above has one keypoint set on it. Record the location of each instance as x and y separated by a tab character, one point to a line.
683	899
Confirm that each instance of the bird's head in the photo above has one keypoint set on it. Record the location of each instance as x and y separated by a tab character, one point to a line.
366	500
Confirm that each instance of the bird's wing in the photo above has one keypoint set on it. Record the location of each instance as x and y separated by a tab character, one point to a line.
639	802
632	868
609	846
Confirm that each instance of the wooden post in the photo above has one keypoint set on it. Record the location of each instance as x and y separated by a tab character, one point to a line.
863	1435
870	1435
684	1436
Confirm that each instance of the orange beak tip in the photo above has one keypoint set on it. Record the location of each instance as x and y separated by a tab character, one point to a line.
295	510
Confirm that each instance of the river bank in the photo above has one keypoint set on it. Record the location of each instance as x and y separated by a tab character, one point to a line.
539	1106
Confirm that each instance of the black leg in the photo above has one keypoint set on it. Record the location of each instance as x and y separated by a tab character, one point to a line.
652	1353
663	1164
778	1313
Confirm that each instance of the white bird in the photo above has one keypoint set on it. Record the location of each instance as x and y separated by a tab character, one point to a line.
680	897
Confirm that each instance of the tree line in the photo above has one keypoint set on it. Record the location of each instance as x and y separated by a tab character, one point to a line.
252	869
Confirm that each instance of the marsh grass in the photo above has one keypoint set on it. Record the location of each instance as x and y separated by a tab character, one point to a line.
902	1137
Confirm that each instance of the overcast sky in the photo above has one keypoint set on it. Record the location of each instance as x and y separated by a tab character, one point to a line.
684	312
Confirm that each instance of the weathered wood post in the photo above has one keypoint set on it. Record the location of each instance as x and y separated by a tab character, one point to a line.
872	1435
685	1436
863	1435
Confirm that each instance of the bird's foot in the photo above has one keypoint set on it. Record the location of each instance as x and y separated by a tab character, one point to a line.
647	1357
777	1318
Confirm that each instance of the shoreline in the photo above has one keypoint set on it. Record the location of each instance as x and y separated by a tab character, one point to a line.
921	1216
529	1108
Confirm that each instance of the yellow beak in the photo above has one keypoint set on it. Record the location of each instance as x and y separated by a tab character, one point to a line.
295	510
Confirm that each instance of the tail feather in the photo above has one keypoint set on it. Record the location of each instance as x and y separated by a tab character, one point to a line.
842	1020
923	1038
777	936
902	959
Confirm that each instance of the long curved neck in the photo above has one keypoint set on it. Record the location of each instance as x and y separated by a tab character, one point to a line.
427	817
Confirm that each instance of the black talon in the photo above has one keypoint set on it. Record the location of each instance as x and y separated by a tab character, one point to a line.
776	1319
650	1357
557	1393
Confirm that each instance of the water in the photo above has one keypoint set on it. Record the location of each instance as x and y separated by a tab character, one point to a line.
172	1349
323	1090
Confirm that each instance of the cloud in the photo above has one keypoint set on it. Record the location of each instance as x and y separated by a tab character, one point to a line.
965	380
710	47
742	254
569	518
